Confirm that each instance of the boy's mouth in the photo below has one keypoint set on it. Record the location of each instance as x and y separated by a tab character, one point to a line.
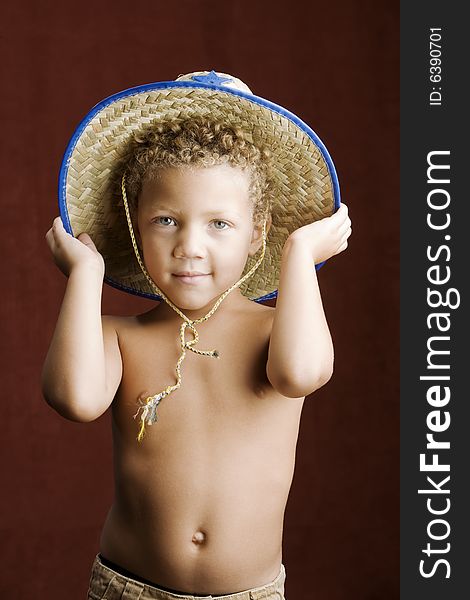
191	277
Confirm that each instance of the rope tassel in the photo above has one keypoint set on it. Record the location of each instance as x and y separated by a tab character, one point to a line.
149	411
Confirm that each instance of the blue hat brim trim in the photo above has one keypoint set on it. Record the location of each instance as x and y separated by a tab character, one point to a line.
182	84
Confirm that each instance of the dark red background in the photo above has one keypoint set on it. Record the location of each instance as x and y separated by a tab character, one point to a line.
335	64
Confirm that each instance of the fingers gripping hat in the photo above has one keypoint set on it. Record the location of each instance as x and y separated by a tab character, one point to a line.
303	176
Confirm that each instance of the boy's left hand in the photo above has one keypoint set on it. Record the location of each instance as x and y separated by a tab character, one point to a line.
324	238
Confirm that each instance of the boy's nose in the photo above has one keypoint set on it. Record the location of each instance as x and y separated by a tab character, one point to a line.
189	244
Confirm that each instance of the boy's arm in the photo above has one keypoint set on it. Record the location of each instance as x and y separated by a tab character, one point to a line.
300	358
83	369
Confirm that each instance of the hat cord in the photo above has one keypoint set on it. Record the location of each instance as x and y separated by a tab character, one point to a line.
149	405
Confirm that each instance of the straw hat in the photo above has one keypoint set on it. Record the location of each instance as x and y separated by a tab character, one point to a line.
304	176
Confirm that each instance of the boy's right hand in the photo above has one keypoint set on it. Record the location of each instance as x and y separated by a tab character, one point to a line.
326	237
69	252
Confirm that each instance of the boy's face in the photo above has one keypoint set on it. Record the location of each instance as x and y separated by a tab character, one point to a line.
196	230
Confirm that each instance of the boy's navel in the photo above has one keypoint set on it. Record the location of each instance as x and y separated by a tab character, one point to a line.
199	537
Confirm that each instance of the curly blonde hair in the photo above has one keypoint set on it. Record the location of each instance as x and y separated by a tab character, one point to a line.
200	142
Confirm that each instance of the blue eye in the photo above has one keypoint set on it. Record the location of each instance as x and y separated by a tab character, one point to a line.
164	220
223	223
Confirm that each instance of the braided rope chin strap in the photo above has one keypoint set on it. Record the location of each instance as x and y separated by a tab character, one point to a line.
149	405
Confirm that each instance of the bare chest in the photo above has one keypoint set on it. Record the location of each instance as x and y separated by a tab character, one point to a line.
214	395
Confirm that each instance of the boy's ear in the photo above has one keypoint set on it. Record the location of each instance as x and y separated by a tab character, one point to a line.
257	235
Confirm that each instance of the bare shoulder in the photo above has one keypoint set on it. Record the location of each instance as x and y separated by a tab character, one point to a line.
263	313
117	323
258	320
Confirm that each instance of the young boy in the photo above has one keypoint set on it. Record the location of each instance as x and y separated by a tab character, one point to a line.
200	495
